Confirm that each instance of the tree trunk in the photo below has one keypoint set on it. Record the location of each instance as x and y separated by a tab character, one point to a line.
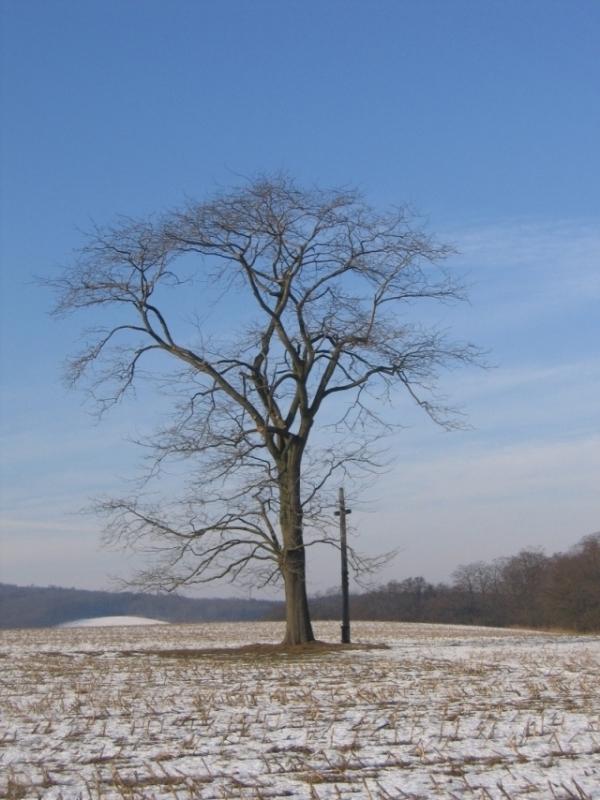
298	628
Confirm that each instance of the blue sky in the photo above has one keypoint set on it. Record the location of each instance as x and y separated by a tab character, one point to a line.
484	114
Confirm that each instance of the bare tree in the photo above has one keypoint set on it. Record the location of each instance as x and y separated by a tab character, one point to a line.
572	587
279	395
476	579
481	585
523	579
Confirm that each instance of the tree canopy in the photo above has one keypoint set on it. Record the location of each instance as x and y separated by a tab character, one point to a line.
299	317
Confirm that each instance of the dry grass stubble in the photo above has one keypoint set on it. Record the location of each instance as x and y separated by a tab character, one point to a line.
445	712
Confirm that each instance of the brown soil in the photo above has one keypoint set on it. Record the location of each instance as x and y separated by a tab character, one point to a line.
260	650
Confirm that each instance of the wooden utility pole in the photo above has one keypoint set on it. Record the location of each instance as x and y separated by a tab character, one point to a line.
345	583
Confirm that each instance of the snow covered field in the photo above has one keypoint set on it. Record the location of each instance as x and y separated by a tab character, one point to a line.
446	712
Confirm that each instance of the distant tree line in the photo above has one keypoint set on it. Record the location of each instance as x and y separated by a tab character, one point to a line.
42	607
529	589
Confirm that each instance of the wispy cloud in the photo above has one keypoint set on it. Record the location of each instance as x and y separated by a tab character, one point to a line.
533	271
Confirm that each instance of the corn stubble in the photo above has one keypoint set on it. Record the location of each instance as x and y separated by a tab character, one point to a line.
445	711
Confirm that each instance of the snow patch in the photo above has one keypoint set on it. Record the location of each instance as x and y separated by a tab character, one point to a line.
445	712
106	622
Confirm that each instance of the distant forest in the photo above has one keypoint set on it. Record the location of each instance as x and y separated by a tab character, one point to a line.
529	590
36	607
